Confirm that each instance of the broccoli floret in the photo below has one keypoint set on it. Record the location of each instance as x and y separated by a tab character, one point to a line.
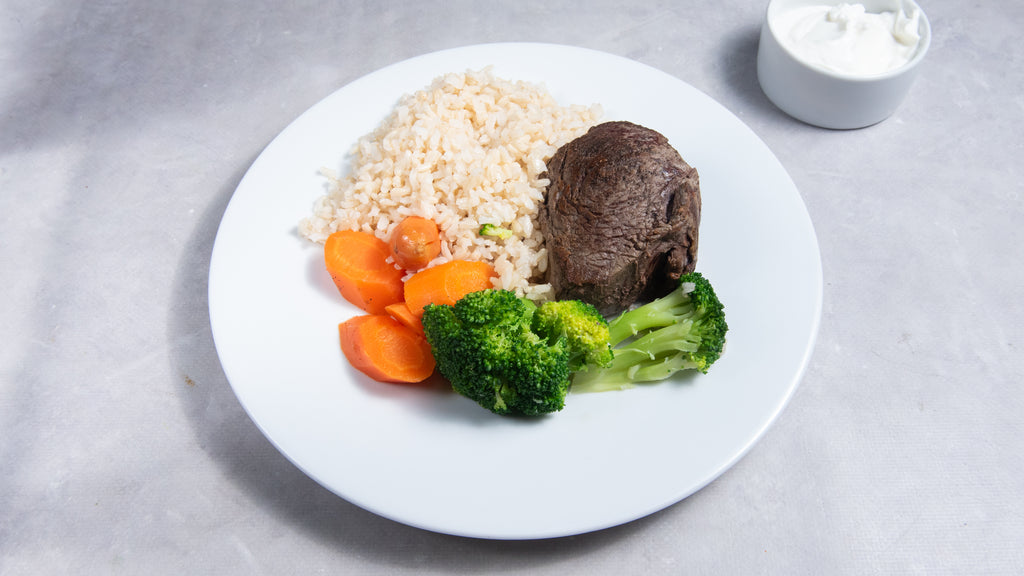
495	231
513	357
584	328
499	350
684	330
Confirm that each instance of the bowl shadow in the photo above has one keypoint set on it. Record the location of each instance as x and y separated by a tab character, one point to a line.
739	72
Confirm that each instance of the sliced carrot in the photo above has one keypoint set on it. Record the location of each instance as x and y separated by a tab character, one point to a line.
357	262
400	311
386	350
446	283
414	242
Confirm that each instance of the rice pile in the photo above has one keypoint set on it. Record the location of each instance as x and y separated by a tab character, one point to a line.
467	150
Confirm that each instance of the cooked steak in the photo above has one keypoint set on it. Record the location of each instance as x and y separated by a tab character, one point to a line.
621	217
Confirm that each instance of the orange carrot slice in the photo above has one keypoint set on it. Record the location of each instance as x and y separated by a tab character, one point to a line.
414	242
400	311
357	262
446	283
385	350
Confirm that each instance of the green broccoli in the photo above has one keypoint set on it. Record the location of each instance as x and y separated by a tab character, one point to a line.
684	330
495	231
584	328
511	356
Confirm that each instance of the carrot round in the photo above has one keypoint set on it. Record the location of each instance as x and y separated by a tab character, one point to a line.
357	262
446	283
400	311
415	241
385	350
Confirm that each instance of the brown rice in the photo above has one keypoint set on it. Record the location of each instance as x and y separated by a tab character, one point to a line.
468	150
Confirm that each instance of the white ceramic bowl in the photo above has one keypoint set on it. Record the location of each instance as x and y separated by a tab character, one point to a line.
826	98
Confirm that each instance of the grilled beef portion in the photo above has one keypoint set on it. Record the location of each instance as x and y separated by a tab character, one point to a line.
621	217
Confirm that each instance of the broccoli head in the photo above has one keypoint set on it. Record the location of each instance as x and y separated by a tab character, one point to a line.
583	327
510	356
684	330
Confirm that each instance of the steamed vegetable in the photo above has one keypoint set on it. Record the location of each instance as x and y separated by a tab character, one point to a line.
414	242
358	264
385	349
495	231
400	311
446	283
510	356
585	330
684	330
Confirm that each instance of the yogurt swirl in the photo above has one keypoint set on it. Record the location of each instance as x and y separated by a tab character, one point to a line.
848	39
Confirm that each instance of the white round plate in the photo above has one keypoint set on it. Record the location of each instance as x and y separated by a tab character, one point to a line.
422	455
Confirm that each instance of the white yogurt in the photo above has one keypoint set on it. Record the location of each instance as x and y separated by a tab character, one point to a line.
848	39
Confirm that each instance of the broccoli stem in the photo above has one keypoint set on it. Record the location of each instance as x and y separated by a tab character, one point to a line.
661	312
654	356
662	369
